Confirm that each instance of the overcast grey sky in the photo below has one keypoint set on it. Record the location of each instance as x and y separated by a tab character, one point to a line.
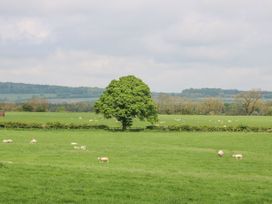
171	45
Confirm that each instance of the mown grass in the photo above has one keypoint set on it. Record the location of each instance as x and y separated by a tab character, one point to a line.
164	120
146	167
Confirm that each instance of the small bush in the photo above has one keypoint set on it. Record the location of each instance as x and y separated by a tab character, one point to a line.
1	165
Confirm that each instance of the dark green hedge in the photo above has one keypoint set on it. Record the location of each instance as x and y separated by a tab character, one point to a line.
181	128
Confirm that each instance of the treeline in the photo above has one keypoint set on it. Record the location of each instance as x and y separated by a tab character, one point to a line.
42	105
244	103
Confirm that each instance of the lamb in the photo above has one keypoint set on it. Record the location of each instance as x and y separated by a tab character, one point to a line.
237	156
7	141
220	153
103	159
33	141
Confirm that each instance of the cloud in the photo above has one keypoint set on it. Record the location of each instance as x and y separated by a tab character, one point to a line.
83	68
28	29
172	44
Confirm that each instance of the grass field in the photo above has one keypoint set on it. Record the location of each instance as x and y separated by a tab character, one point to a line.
145	167
164	120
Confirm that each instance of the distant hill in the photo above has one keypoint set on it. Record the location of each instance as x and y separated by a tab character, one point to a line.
226	94
20	92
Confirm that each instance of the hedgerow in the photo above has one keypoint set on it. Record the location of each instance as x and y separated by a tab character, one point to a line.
180	128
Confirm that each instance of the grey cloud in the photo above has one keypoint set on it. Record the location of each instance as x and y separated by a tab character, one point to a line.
90	42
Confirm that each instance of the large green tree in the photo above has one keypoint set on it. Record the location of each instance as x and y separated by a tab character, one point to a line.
127	98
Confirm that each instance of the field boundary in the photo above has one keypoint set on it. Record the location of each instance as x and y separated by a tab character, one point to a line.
177	128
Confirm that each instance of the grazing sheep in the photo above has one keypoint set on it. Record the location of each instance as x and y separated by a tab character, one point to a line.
73	143
103	159
33	141
83	147
220	153
237	156
76	147
7	141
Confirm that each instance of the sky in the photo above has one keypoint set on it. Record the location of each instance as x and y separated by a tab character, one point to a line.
171	45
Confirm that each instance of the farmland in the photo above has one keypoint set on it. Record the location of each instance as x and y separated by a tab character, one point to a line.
145	167
164	120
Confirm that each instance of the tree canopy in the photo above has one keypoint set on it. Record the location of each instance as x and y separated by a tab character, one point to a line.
127	98
249	100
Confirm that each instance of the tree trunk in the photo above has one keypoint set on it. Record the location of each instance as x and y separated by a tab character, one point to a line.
124	125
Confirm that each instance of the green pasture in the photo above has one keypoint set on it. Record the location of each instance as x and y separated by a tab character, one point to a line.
164	120
144	167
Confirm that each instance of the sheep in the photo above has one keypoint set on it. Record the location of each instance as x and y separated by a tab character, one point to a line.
76	147
33	141
83	147
7	141
103	159
220	153
73	143
237	156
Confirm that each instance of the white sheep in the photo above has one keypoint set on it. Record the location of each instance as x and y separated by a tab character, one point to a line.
76	147
237	156
103	159
73	143
33	141
220	153
83	147
7	141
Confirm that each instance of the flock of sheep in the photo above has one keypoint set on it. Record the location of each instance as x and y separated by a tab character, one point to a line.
220	153
75	145
33	141
83	147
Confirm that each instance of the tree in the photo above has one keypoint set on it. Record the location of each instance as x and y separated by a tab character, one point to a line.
125	99
27	107
35	105
212	106
249	100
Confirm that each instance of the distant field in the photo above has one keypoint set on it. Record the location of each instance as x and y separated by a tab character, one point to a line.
164	120
145	167
22	97
51	98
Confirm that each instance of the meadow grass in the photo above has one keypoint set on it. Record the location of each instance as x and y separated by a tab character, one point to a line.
164	120
145	167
